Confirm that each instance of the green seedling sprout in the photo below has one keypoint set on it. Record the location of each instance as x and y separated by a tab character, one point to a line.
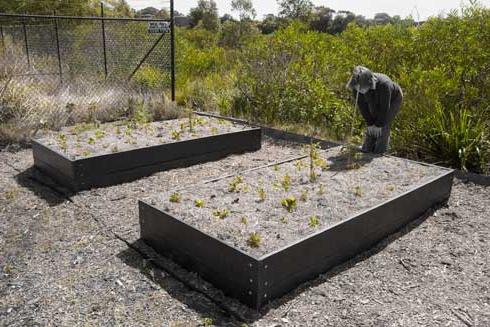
275	167
221	214
244	220
207	322
283	220
390	188
99	134
299	165
115	149
86	153
314	155
321	190
199	203
175	197
358	191
289	203
176	135
286	182
304	196
214	130
254	240
261	193
234	185
314	221
62	142
91	141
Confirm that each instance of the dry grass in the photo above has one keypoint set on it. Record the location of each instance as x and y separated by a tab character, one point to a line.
29	103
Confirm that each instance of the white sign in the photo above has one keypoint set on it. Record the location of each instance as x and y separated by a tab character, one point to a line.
159	27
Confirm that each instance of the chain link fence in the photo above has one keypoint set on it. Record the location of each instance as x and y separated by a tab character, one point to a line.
58	70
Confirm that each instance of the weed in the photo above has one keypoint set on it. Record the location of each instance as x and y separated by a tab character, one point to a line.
208	321
201	121
300	164
114	149
234	185
286	182
91	141
221	214
283	220
191	118
128	132
289	203
254	240
175	198
84	127
118	130
261	193
12	194
358	191
214	130
244	220
276	167
314	221
199	203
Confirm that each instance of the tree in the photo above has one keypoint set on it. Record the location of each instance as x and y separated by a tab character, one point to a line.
244	8
322	19
341	20
295	9
269	24
382	19
225	18
206	15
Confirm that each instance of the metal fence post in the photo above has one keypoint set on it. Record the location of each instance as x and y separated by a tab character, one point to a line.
172	47
103	38
58	47
26	43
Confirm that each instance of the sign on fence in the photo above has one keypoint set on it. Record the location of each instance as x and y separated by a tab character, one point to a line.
159	27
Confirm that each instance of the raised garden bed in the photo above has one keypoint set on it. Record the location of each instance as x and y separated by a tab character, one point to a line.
89	155
259	234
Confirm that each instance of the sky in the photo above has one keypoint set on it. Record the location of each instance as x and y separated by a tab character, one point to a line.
419	9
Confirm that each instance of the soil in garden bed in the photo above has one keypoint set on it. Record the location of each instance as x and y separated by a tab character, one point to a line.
264	210
86	140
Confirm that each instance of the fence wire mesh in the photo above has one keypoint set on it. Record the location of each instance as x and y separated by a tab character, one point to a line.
75	66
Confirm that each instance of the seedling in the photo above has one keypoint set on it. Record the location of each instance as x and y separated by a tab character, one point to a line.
289	203
304	196
352	153
214	130
208	322
91	141
62	142
322	163
115	149
314	221
390	188
254	240
321	189
175	198
201	121
244	220
86	153
234	185
128	132
118	130
261	193
191	118
300	164
99	134
283	220
221	214
182	127
358	191
199	203
275	167
176	135
286	182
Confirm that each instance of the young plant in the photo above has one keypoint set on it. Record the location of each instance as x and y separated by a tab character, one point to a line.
314	155
244	221
221	214
91	141
62	142
199	203
175	197
358	191
289	203
114	149
261	193
390	188
176	135
314	221
235	184
286	182
299	165
99	134
283	220
214	130
190	115
304	195
254	240
321	189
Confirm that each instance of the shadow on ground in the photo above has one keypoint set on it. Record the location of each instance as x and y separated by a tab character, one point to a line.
42	186
212	302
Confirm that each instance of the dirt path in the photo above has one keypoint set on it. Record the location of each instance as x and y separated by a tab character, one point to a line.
78	261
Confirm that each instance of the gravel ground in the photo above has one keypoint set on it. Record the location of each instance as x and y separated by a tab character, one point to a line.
78	261
252	202
86	140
